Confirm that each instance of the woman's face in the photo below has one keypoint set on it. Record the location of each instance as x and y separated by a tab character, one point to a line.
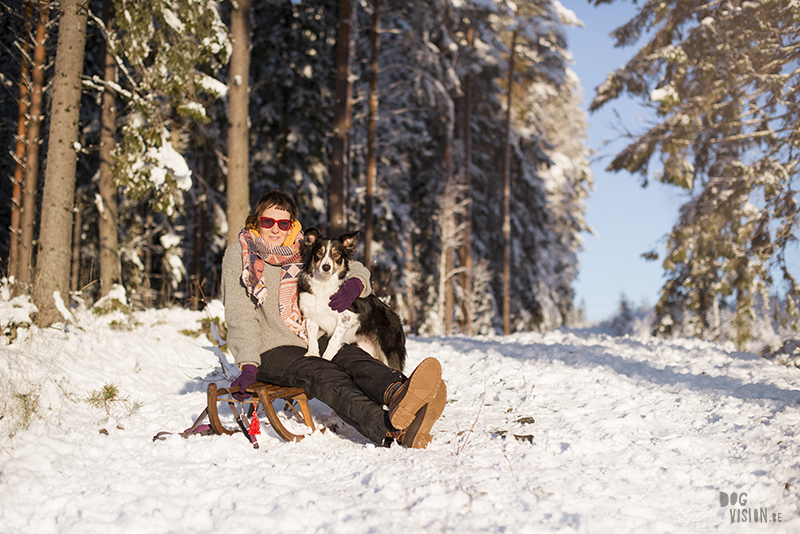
274	236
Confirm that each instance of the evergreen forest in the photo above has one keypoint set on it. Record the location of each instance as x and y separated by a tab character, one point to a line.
136	135
450	134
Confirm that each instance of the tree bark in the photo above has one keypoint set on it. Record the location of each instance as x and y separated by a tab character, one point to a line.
507	196
449	298
199	248
466	249
53	262
25	271
76	245
19	165
238	187
148	293
339	153
108	227
372	158
449	305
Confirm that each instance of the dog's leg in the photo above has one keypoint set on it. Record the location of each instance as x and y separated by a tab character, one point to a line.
346	324
312	329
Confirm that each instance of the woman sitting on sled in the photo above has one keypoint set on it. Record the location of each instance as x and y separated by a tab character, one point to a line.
267	338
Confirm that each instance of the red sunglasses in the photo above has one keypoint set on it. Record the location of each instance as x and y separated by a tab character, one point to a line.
283	224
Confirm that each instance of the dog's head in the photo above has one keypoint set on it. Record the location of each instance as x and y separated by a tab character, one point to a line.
328	257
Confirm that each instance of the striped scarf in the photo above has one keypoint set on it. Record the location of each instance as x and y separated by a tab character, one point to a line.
255	252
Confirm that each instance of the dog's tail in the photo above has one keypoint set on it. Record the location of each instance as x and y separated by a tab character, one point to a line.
396	359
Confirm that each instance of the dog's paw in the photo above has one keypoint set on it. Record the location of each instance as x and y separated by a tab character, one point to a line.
309	353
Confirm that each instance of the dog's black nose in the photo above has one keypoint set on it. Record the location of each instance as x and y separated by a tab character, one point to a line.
326	267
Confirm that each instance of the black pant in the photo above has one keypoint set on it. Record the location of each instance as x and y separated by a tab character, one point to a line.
352	384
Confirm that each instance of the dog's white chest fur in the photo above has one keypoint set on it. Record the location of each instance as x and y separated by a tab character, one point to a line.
341	327
316	305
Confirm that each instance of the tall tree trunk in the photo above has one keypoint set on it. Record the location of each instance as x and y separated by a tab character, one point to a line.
339	153
449	248
76	244
53	262
449	305
411	277
199	248
466	249
108	227
507	196
448	290
25	271
19	165
200	229
372	158
148	299
238	186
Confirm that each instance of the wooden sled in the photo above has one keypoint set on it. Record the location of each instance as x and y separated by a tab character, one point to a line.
261	399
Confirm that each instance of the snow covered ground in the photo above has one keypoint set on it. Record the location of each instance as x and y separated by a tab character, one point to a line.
572	431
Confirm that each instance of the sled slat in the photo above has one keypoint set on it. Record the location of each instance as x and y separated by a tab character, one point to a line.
266	394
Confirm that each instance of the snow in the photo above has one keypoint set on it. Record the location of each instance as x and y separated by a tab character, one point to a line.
98	201
572	431
488	5
173	20
172	255
170	240
194	109
212	85
168	160
666	94
13	311
62	308
567	16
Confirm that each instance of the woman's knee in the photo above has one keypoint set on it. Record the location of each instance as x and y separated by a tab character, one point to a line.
349	354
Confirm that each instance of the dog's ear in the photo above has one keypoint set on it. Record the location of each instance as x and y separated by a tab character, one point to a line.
349	241
311	236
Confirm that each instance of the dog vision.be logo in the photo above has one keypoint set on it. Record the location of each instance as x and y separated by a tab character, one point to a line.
741	514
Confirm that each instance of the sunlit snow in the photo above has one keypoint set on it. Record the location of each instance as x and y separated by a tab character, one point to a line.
569	431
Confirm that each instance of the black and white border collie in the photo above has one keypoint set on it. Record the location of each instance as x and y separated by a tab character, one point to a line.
368	322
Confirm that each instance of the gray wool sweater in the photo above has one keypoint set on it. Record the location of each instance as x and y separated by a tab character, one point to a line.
253	330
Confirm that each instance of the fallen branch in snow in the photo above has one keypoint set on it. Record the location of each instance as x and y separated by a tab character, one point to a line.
475	421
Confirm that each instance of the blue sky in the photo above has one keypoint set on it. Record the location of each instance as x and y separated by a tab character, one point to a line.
628	220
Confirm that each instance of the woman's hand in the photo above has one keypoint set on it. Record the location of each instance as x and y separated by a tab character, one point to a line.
347	294
246	378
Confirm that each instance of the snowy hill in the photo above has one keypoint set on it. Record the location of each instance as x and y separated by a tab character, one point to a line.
568	431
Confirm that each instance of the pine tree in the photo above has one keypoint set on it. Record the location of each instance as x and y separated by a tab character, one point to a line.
169	52
342	107
723	82
238	115
53	261
291	105
28	220
19	156
108	204
548	171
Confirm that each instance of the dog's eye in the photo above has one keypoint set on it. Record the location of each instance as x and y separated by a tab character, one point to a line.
320	253
335	255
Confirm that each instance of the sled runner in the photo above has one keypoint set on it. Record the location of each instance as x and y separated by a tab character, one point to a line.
260	400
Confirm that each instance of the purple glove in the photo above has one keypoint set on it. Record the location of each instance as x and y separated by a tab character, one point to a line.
246	378
347	294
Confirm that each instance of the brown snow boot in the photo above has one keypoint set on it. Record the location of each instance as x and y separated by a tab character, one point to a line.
417	435
414	393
